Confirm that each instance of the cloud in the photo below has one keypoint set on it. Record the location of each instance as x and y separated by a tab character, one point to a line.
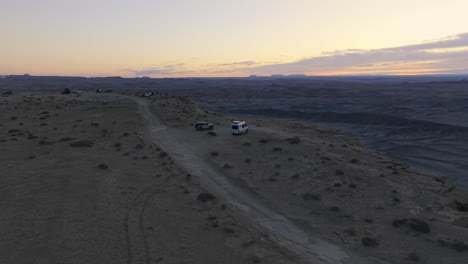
169	69
447	55
240	63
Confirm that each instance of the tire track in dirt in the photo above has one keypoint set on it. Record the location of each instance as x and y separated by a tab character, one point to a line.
285	233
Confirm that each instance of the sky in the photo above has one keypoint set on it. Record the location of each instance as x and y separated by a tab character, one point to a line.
222	38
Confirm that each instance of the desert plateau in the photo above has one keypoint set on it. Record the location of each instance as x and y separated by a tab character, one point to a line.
120	178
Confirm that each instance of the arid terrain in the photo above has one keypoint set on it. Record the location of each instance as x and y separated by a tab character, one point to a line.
324	181
82	183
118	179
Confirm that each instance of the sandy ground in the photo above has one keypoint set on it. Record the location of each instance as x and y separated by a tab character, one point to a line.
81	182
330	186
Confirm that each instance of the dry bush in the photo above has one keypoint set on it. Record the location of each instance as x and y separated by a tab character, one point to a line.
311	196
294	140
370	242
227	166
206	197
82	143
103	166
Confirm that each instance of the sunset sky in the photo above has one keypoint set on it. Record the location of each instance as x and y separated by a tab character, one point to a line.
192	38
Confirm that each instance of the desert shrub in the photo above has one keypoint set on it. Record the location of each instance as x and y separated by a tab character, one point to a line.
339	172
354	161
263	140
459	246
66	139
246	144
82	143
212	133
45	142
419	225
295	176
414	256
214	154
454	244
227	166
163	154
370	242
229	229
294	140
103	166
126	134
277	149
139	146
247	160
205	197
311	196
460	206
352	185
350	231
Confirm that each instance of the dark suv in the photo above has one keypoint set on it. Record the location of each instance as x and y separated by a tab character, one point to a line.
203	126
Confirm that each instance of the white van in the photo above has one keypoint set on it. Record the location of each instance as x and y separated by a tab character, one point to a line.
239	128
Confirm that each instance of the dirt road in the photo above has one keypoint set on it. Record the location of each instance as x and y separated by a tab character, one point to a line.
284	232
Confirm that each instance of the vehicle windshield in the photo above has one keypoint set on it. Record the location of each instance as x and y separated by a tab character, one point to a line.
235	127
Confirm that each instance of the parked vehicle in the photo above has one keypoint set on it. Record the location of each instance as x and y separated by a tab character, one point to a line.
239	128
203	126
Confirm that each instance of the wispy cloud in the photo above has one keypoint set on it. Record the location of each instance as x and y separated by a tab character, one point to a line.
168	69
447	55
240	63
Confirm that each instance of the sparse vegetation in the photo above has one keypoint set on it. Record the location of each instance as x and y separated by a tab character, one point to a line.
414	256
64	139
103	166
205	197
457	245
311	196
82	143
294	140
227	166
370	242
461	206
